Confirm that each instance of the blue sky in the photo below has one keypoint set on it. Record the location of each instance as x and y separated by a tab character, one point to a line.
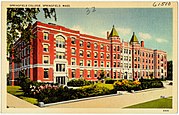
153	25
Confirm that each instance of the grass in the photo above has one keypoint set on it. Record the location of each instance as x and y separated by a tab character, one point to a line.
159	103
109	86
16	91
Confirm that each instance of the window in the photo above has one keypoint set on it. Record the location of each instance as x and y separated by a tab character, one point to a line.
95	45
138	52
45	72
129	65
46	59
45	46
73	61
45	34
73	41
118	64
60	67
95	73
135	66
96	55
118	56
81	73
107	48
125	58
129	51
129	58
108	64
114	55
146	61
60	55
138	65
114	48
95	63
60	41
118	48
146	67
114	73
102	55
138	58
102	63
135	59
108	57
102	47
114	64
89	63
143	66
125	65
81	52
81	62
88	45
81	43
135	51
126	51
73	73
118	74
24	51
73	51
88	74
88	54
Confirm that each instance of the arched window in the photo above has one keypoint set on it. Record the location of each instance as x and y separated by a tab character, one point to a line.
60	41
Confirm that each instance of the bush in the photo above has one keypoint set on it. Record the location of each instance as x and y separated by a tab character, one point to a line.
126	85
111	81
79	82
52	94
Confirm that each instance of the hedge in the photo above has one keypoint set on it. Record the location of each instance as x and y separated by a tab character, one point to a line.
79	82
126	85
52	94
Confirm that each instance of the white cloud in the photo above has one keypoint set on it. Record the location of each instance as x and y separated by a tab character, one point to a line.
160	40
123	31
145	35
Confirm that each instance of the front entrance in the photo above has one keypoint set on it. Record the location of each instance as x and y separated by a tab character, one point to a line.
60	80
125	75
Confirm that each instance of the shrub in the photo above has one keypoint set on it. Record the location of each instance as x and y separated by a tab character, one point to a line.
79	82
52	94
126	85
111	81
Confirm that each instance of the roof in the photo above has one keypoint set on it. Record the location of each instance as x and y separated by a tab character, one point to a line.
134	38
113	33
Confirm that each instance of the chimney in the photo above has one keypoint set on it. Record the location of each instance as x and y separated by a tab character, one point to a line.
107	34
142	43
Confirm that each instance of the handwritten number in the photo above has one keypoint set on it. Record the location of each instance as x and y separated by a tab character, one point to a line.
89	10
93	9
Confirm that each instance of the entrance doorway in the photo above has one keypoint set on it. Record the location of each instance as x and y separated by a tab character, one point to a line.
60	80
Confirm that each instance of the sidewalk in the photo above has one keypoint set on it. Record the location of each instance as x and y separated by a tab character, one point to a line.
15	102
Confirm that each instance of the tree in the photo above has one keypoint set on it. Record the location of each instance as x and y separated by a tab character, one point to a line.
102	75
19	23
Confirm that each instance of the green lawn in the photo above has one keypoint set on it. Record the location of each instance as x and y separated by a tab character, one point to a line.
159	103
16	91
109	86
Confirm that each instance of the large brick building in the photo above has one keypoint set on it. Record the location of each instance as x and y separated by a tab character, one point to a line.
59	54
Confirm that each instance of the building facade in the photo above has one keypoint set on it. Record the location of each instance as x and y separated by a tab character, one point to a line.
58	54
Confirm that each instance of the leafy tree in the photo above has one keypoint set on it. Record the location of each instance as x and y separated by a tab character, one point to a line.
102	75
19	23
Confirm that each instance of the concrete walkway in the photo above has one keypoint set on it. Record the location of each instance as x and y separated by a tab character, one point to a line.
119	101
15	102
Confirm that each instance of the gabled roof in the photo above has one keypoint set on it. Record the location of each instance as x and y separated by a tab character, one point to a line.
113	33
134	39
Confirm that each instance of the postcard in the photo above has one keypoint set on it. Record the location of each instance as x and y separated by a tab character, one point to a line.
89	57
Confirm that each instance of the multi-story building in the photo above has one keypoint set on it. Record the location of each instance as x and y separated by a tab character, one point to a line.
59	54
